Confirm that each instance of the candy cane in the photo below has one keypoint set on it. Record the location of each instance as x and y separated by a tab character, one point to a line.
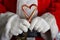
29	18
32	14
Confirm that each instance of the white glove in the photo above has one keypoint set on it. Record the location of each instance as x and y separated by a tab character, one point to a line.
16	25
51	20
39	24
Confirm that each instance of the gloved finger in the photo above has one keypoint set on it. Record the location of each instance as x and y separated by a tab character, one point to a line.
33	23
26	23
43	26
38	23
14	33
23	27
20	31
17	32
40	29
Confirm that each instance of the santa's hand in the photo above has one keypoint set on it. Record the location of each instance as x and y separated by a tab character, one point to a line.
39	24
18	25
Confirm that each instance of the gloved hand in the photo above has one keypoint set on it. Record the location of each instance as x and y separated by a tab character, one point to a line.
18	25
15	26
39	24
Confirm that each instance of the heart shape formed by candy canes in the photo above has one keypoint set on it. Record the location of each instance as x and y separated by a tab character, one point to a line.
26	14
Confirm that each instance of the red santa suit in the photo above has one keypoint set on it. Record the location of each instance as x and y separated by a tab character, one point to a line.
43	5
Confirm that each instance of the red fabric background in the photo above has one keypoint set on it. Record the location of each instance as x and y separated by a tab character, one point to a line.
43	6
2	8
10	5
0	0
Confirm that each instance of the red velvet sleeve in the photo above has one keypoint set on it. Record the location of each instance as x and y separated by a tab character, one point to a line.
56	13
10	5
2	7
0	1
43	6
